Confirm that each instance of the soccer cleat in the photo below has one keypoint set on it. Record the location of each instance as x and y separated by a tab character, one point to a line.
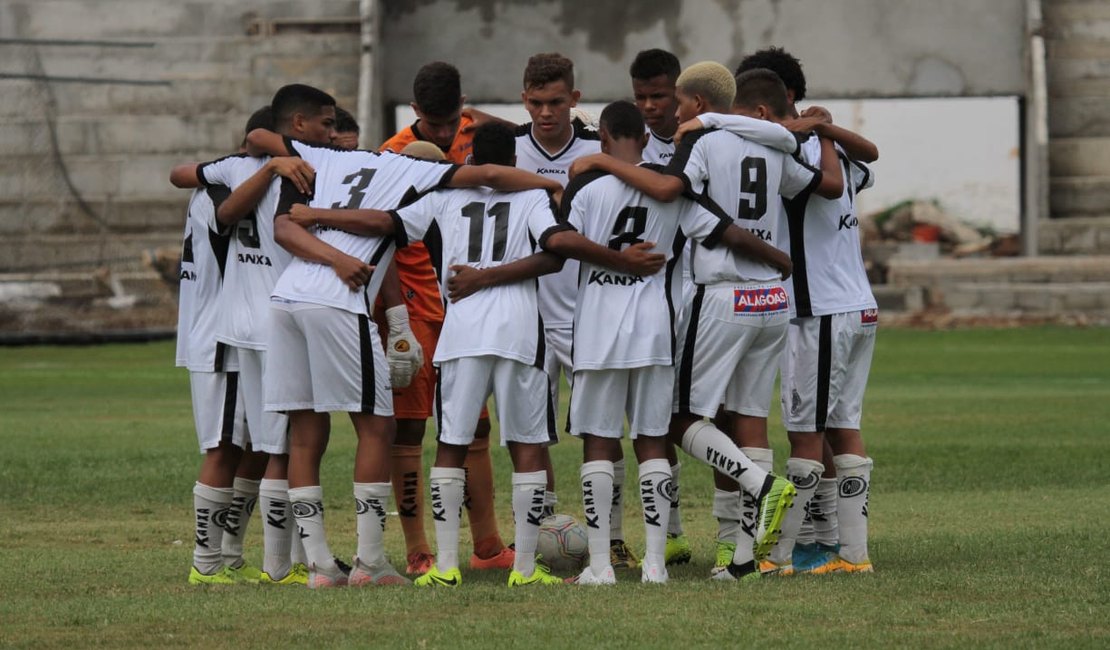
322	580
769	568
298	575
778	495
224	576
383	576
436	578
503	560
856	567
247	573
621	556
677	551
343	566
540	576
735	572
806	556
818	560
653	574
725	551
587	577
420	563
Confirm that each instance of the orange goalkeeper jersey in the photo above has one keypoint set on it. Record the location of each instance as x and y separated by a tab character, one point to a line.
414	266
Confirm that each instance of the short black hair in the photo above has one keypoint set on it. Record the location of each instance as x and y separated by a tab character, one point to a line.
649	64
263	118
782	63
437	89
548	67
345	122
298	98
494	143
762	86
622	119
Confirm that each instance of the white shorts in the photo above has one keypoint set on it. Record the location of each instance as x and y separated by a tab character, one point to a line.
729	343
269	432
325	359
603	398
218	409
520	391
557	356
825	368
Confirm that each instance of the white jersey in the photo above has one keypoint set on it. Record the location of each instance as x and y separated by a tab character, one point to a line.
744	180
628	321
255	260
353	180
659	150
484	228
557	289
203	257
824	244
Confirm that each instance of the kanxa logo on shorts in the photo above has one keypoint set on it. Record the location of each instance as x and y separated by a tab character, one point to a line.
759	301
869	316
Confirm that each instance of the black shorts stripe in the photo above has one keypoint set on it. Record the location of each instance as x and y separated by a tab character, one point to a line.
439	405
686	370
221	350
552	433
231	394
824	369
366	360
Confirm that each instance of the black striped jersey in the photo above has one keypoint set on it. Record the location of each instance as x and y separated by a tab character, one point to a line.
352	180
484	228
744	179
255	260
658	150
203	257
556	290
823	238
627	321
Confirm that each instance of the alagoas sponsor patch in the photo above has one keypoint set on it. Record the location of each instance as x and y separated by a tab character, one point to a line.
759	301
869	317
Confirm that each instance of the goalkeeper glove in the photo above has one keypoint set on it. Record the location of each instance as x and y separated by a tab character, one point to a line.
403	352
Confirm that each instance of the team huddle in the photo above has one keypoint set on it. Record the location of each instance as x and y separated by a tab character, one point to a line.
670	260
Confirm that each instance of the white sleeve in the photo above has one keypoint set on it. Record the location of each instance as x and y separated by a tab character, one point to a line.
541	215
697	223
796	176
690	162
863	176
755	130
311	155
219	172
417	218
424	175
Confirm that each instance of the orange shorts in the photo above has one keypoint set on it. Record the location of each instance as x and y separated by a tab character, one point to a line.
414	402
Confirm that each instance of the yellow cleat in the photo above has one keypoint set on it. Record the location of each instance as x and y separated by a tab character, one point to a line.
222	577
298	575
436	578
540	576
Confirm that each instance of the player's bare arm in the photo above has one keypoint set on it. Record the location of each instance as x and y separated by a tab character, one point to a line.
245	197
855	145
185	176
371	223
504	179
263	142
764	132
743	242
480	117
832	177
467	280
637	259
391	287
294	238
661	187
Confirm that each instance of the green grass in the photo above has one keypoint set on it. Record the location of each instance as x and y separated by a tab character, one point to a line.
989	516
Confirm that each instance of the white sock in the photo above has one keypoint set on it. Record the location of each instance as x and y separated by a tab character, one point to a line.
550	500
296	548
749	508
805	474
616	513
209	512
528	493
706	443
370	500
597	497
853	475
447	485
308	507
823	514
243	499
726	508
278	526
674	524
655	497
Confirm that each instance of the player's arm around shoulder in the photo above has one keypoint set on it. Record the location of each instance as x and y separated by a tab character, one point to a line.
831	185
659	186
297	240
502	178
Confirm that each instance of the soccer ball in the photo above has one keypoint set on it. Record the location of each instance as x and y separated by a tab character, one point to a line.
562	543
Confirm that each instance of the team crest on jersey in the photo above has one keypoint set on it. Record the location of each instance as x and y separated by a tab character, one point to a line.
869	317
759	301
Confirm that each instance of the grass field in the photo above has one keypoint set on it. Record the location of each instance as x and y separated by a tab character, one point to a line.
989	519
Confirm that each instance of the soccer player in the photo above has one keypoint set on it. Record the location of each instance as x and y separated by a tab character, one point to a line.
438	103
830	344
346	130
255	261
327	291
626	366
734	330
492	341
213	378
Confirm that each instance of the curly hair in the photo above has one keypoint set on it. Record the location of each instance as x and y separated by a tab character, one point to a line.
437	89
548	67
782	63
